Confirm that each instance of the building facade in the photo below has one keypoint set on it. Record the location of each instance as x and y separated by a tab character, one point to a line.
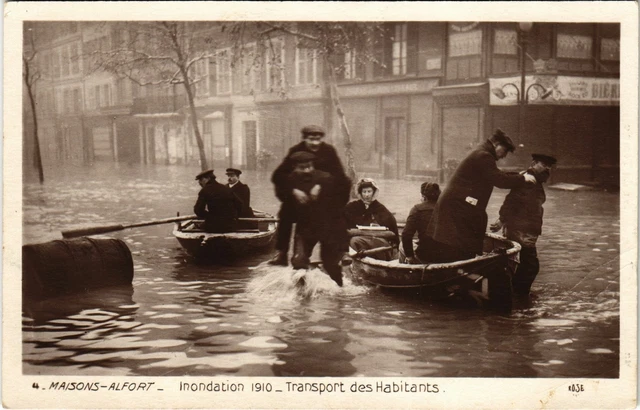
427	94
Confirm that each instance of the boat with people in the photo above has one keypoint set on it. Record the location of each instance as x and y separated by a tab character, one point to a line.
254	235
485	278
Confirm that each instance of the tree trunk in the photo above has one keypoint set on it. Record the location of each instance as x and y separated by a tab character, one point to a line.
194	122
38	157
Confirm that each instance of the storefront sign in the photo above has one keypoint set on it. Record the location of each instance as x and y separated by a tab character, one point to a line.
366	90
563	90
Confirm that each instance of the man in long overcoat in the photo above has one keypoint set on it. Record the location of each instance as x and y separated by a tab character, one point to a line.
459	220
521	217
216	204
241	190
326	160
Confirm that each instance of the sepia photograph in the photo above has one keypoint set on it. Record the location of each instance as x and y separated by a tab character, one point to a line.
320	205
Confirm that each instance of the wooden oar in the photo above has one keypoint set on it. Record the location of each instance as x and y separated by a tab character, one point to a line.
362	254
95	230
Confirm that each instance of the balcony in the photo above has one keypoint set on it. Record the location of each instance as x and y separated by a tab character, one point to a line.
158	104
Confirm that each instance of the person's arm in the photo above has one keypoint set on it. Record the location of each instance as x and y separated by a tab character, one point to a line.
497	177
387	219
280	176
409	231
200	208
247	195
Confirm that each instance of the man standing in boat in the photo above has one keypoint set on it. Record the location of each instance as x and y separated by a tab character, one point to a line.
325	159
418	221
521	219
241	190
318	202
367	211
459	220
216	204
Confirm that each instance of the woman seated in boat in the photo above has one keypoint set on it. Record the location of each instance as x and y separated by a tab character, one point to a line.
418	220
367	211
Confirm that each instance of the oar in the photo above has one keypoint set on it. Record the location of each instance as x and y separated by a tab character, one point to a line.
362	254
95	230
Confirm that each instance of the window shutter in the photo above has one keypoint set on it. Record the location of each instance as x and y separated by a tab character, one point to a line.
213	85
412	48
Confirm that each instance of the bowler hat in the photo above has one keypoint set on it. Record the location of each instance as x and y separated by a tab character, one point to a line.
312	129
233	171
205	174
545	159
302	156
501	138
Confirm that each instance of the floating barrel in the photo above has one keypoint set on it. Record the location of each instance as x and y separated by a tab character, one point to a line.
67	266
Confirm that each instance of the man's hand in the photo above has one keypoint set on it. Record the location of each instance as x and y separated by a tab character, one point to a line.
315	192
530	178
300	196
496	226
412	260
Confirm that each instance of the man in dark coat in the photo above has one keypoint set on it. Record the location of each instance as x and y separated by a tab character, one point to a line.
521	218
318	204
418	221
459	220
241	190
216	204
367	211
326	160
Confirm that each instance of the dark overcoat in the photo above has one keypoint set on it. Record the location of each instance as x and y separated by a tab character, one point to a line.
322	219
418	221
522	208
218	206
460	218
357	214
243	193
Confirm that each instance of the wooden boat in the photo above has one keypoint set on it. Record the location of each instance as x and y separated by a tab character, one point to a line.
485	278
254	237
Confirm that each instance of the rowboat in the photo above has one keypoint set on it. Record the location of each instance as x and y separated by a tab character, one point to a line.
485	278
256	236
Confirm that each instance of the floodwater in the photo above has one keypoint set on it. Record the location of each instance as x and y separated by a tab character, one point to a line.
248	319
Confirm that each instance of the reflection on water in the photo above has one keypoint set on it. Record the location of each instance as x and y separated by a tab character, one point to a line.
250	319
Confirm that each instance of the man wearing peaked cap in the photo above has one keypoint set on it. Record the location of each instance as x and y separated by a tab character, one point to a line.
216	204
241	190
521	219
325	158
460	219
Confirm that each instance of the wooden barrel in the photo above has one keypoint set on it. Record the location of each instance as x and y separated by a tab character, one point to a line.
67	266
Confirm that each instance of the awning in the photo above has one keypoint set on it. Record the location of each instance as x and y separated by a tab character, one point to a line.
216	115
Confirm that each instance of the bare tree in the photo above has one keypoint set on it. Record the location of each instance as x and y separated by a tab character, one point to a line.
31	74
340	45
162	53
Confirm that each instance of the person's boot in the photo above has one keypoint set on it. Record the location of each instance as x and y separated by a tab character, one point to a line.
280	259
337	278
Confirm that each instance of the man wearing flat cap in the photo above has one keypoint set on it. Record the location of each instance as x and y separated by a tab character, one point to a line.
521	219
241	190
459	219
318	209
216	204
325	159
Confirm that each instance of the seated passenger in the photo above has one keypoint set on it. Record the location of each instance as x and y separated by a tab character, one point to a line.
418	221
241	190
216	204
369	212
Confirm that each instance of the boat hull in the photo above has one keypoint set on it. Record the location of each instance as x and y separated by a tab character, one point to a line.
485	278
224	246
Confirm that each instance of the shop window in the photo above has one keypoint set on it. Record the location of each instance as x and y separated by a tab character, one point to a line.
306	63
610	49
223	79
505	42
574	46
399	50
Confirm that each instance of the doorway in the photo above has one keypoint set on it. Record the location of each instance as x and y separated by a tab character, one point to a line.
394	130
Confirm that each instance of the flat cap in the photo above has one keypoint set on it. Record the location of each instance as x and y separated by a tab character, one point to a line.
302	156
233	171
501	138
204	174
545	159
312	129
